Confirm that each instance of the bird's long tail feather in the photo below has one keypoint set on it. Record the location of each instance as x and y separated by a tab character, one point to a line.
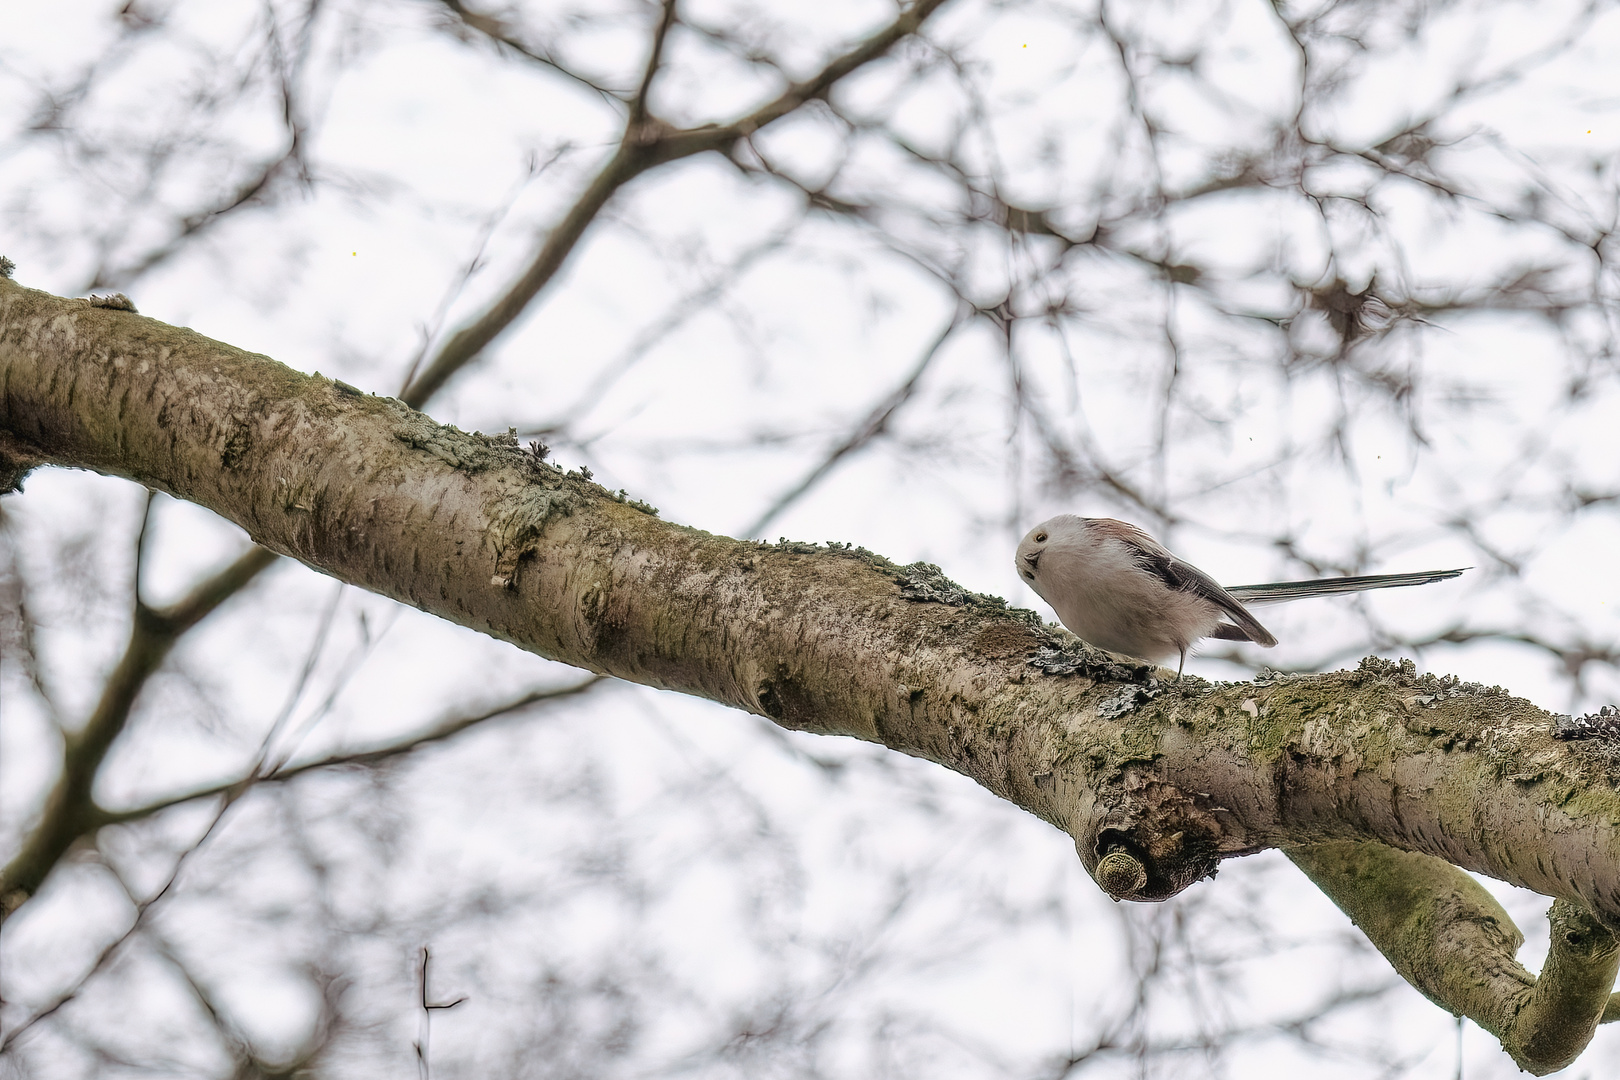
1295	590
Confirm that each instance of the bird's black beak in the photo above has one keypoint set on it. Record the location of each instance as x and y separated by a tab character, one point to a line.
1033	558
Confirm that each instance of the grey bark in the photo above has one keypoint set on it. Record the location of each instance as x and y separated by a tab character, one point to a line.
1449	938
1157	781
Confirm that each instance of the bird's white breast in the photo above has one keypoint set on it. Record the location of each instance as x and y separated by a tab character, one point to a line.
1104	595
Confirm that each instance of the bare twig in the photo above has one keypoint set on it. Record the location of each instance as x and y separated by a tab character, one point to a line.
70	810
250	191
108	951
644	145
639	110
870	427
441	731
498	32
425	1024
230	794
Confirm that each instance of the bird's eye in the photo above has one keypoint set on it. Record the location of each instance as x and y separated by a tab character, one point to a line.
1040	538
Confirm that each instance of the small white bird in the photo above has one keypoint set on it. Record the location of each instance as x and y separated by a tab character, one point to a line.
1118	588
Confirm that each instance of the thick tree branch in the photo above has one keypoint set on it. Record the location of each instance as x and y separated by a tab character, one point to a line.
1156	781
472	529
1449	938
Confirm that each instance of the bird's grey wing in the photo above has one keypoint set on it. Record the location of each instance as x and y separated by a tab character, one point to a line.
1294	590
1155	558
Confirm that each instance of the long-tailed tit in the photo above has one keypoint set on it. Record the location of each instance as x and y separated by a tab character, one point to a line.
1118	588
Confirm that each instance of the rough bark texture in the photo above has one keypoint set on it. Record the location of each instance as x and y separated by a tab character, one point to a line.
1449	938
1161	779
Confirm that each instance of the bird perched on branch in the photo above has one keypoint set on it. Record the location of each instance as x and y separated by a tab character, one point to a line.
1118	588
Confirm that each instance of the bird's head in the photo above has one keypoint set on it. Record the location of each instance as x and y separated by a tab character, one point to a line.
1065	530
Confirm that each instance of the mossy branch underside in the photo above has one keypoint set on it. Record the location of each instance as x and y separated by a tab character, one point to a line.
1379	783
